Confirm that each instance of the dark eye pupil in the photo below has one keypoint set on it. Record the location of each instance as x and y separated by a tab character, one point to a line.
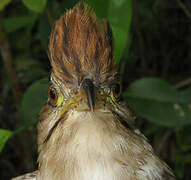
52	94
117	89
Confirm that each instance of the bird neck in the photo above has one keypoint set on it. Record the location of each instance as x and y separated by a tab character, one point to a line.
84	142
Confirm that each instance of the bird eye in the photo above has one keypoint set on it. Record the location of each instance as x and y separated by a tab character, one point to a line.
52	96
116	91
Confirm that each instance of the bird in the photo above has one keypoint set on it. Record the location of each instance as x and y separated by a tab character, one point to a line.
86	131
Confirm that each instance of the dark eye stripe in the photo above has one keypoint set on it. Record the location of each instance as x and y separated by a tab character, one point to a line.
51	131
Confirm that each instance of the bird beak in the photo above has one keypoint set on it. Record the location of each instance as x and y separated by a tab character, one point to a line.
90	94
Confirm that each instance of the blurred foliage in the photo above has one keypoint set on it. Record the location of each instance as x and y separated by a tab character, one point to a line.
35	5
4	136
156	101
4	3
152	41
33	100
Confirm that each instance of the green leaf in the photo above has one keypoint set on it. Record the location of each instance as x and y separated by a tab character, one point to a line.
152	89
156	101
4	3
12	24
120	40
34	98
4	136
119	16
35	5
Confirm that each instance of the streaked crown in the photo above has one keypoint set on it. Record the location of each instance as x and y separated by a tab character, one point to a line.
81	47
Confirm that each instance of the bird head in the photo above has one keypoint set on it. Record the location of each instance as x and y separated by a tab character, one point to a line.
81	55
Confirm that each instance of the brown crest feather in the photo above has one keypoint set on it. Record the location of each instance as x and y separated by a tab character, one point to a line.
81	47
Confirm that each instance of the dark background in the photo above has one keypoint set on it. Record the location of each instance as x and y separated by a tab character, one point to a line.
155	70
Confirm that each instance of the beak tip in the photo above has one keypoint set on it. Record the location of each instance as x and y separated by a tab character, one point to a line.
91	107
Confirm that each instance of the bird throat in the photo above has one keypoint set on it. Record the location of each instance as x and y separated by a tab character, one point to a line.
82	147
